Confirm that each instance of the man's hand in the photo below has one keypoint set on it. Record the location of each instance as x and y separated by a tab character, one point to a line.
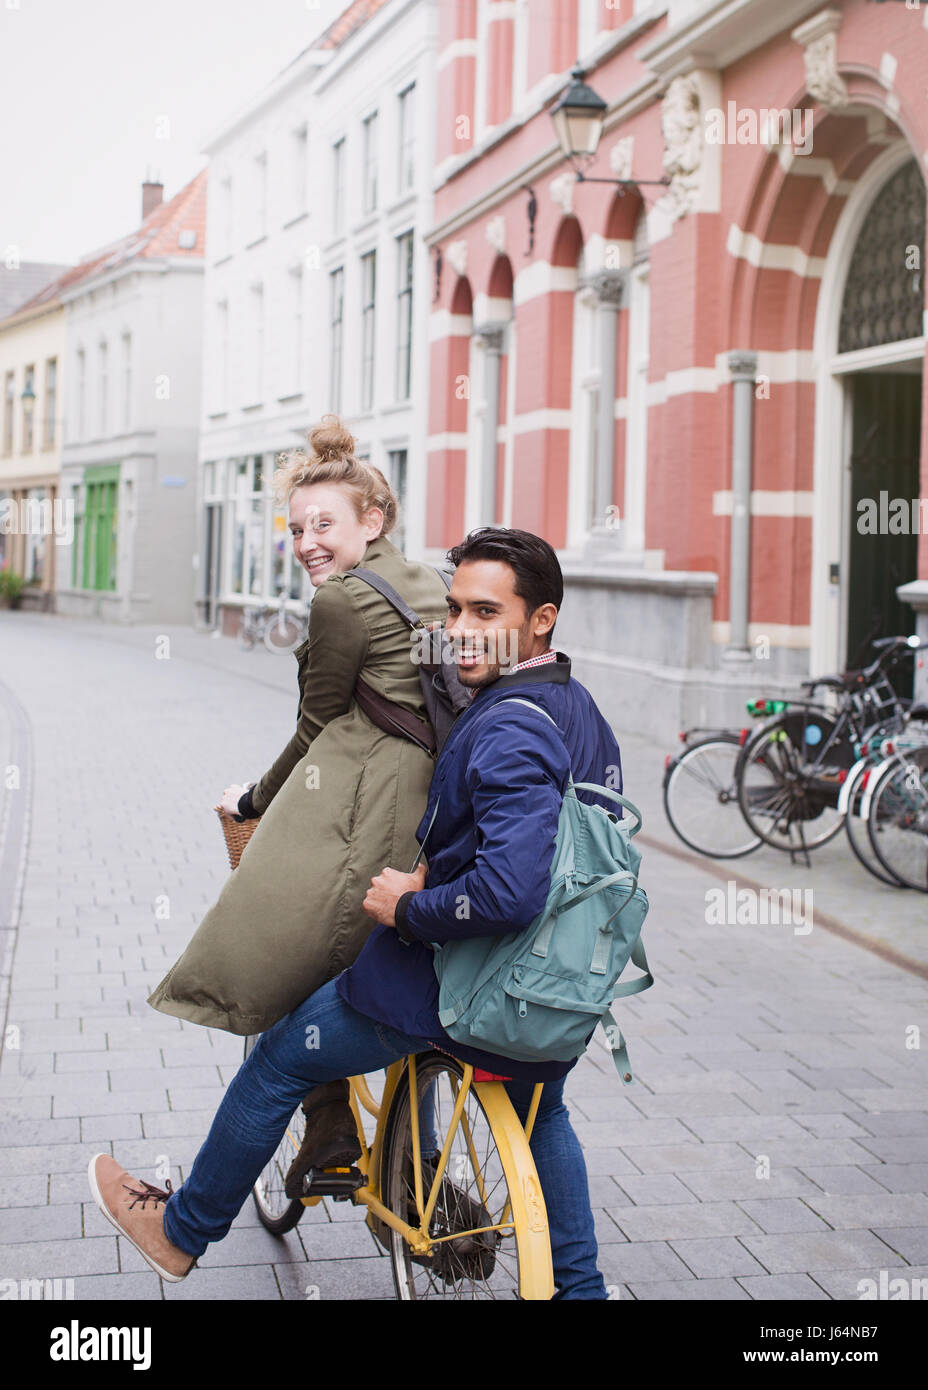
387	889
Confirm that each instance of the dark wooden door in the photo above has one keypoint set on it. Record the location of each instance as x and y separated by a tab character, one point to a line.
884	459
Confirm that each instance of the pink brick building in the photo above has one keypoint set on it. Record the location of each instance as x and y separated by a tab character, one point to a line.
694	391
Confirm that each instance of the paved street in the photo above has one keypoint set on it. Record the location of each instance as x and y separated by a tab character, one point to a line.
775	1144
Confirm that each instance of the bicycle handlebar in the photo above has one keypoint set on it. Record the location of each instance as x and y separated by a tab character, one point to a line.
853	680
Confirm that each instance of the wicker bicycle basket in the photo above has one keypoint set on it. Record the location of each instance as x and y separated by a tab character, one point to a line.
237	834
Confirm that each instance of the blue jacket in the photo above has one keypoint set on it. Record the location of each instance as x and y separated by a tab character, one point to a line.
498	783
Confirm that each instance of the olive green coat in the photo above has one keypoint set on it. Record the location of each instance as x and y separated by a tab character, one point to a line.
340	803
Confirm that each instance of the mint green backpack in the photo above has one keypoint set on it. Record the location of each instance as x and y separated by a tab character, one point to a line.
534	995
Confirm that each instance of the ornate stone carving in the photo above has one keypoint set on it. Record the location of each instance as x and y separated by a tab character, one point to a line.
620	157
489	336
819	40
742	365
610	287
456	256
496	233
683	140
562	192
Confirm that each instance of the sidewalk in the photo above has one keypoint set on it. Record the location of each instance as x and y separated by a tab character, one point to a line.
775	1144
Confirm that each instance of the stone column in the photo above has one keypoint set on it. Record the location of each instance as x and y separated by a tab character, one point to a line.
491	340
743	368
611	288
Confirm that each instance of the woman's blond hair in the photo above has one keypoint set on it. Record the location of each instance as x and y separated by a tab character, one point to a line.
331	459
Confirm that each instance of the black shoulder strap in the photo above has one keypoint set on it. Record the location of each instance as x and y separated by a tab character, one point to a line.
382	586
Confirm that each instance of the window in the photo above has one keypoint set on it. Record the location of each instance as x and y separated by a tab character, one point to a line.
404	317
81	384
254	392
104	385
9	407
338	187
224	238
126	382
247	558
336	316
51	402
368	303
299	155
28	411
260	195
293	372
35	541
221	370
100	528
406	176
397	478
369	177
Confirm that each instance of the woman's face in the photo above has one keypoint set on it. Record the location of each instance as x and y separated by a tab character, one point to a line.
328	538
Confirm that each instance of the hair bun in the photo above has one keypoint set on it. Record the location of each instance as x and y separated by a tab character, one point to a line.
332	441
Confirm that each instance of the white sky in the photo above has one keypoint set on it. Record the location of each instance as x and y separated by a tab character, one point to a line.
83	84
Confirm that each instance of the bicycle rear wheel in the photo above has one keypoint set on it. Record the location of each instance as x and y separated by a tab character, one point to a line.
277	1212
489	1224
788	790
701	799
898	819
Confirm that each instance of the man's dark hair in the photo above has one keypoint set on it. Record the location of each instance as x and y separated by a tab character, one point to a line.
538	577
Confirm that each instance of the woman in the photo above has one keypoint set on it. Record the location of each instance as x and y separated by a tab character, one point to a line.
344	797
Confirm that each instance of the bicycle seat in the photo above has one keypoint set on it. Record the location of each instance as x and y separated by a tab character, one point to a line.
918	712
833	682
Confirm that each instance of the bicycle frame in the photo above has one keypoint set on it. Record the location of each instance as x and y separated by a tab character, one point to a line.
512	1141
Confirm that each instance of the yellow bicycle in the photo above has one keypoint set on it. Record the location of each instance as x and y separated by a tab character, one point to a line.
448	1180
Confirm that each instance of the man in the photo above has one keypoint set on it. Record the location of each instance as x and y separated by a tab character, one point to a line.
498	784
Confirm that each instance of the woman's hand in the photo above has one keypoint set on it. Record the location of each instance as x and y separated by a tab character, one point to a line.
230	798
387	889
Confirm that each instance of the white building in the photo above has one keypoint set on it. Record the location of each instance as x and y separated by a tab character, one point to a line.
317	290
128	465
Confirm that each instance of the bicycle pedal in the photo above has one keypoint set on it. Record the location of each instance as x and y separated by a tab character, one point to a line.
338	1183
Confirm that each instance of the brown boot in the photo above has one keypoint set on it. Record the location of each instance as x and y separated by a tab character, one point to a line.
136	1209
330	1139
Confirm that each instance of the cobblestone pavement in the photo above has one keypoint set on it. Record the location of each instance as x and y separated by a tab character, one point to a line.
775	1144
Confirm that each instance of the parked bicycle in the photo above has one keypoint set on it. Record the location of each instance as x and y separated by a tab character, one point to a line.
792	770
280	629
786	785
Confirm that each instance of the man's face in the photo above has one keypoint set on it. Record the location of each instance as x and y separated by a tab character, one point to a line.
490	623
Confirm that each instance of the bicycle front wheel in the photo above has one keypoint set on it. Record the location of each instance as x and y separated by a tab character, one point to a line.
277	1212
488	1227
283	633
854	801
898	819
701	799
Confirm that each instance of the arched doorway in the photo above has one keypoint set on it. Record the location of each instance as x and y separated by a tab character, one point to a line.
870	346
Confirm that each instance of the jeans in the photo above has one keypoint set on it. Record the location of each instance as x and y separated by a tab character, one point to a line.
324	1039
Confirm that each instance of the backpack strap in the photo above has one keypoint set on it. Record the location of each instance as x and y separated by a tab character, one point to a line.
584	786
383	587
611	1028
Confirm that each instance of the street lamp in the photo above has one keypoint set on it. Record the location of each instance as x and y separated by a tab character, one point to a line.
28	398
578	120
